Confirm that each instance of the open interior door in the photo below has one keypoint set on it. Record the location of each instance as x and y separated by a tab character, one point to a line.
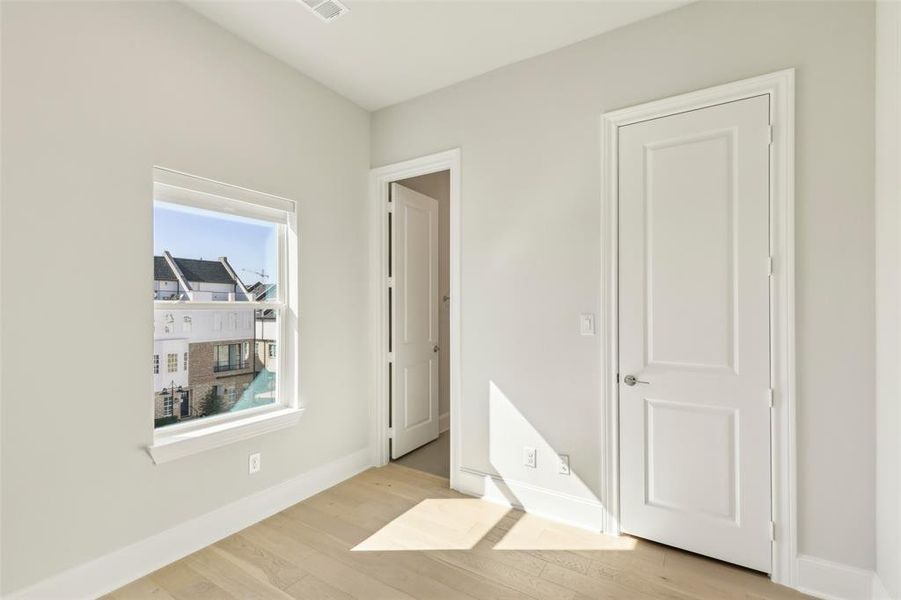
414	320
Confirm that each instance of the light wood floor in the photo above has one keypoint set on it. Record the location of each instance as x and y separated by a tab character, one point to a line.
395	532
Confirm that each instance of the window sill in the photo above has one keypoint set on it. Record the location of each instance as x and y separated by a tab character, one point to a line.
171	446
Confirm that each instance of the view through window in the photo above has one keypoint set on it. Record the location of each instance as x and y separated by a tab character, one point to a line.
217	307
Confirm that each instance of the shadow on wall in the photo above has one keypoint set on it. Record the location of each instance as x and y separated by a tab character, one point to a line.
541	490
467	523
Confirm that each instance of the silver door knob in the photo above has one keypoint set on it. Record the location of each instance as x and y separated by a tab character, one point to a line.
632	380
435	348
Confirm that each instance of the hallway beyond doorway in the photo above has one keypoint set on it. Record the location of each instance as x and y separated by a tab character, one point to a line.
432	458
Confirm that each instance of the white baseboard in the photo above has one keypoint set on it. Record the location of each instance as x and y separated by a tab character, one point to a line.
443	422
879	590
109	572
833	581
557	506
815	576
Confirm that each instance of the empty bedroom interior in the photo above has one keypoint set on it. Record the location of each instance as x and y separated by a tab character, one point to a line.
450	299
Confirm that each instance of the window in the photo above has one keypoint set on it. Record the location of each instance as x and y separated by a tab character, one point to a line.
228	357
167	405
220	246
156	364
272	350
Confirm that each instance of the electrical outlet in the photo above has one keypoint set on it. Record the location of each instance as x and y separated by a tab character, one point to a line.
563	468
529	457
253	463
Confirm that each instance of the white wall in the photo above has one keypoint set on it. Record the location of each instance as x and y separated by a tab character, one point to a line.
531	245
437	186
888	299
94	95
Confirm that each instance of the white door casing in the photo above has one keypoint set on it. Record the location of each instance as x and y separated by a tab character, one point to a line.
414	322
694	322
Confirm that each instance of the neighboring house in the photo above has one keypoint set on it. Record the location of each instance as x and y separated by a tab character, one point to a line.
266	327
195	351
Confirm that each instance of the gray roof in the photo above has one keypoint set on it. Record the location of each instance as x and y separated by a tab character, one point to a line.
204	271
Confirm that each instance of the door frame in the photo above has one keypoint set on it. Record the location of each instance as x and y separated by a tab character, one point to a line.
380	179
779	86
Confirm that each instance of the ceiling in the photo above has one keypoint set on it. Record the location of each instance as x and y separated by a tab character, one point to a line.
385	52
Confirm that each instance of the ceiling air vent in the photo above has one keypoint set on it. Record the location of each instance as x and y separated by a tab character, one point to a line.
327	10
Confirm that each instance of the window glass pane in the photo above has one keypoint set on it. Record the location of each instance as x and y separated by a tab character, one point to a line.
206	256
228	371
203	256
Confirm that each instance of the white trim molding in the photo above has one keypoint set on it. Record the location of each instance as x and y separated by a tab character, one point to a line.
443	422
547	503
379	180
185	443
880	592
779	87
107	573
833	581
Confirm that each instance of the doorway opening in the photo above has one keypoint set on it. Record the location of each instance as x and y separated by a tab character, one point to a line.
415	291
419	322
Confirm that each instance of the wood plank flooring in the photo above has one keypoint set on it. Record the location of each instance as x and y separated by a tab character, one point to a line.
438	544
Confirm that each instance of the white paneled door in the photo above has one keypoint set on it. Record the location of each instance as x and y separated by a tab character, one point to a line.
694	331
414	320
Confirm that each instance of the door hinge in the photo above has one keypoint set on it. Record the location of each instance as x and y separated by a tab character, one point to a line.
390	206
770	135
391	433
771	266
391	357
772	395
772	531
391	282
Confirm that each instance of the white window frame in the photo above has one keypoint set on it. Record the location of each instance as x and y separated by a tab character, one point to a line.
156	364
185	362
197	435
172	362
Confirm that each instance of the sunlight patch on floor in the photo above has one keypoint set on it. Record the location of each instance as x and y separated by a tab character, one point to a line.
437	524
535	533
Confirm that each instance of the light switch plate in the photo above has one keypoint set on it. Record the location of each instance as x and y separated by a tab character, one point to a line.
586	324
